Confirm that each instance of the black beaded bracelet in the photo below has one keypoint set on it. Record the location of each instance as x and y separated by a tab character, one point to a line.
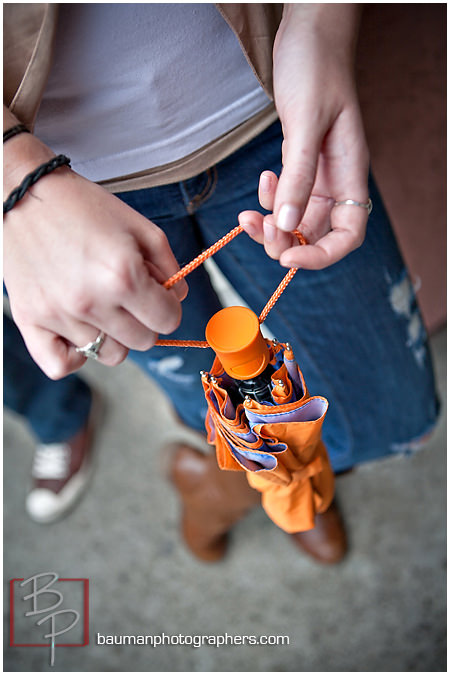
18	129
32	178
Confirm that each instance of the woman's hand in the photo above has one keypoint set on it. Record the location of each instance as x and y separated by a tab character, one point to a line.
325	156
78	261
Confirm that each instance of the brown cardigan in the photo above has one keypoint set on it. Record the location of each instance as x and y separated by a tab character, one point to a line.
28	36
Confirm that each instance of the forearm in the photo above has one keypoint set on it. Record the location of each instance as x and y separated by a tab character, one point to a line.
336	25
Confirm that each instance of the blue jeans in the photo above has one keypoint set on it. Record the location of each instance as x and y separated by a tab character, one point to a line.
54	410
355	327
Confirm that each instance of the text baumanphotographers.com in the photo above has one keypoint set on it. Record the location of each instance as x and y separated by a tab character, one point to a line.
192	640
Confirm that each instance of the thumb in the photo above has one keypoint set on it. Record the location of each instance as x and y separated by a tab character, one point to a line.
301	148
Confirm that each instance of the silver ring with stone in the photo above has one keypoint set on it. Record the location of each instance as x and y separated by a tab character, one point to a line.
92	349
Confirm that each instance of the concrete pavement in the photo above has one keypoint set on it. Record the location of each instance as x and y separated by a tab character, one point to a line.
382	609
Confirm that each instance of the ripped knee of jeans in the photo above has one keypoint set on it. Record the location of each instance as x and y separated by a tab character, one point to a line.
402	298
412	446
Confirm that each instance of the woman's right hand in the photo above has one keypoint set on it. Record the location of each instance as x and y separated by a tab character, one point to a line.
77	261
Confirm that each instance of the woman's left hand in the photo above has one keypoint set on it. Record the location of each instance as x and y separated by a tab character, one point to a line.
325	155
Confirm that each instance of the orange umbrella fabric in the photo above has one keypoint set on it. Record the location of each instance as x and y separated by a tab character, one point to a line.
277	443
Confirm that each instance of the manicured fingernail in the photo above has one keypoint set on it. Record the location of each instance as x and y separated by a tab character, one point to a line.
249	228
265	182
183	288
288	217
269	232
288	265
286	261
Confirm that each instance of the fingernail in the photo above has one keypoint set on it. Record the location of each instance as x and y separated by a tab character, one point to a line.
288	265
265	182
269	232
286	262
288	217
249	228
184	288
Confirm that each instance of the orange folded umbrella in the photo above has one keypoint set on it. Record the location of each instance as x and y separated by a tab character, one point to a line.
276	441
273	433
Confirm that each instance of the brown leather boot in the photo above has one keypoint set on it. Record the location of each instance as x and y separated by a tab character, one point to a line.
214	500
327	542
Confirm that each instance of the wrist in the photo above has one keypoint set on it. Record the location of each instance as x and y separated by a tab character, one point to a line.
21	155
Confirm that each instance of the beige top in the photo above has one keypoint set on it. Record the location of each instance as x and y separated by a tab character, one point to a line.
29	32
177	68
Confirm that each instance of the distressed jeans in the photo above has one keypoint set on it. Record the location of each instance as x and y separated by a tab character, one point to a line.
355	327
